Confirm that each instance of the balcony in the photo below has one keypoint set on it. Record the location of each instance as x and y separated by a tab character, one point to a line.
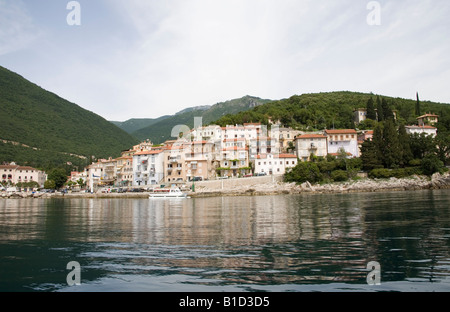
313	147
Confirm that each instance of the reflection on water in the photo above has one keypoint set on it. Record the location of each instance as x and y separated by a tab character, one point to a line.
273	243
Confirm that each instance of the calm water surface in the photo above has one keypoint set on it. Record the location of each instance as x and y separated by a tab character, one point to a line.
267	243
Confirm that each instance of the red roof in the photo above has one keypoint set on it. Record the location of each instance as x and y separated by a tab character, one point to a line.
421	127
287	156
276	156
427	115
311	136
235	148
149	152
234	139
341	131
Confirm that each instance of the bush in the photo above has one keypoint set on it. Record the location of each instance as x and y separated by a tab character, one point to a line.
339	175
380	173
431	164
304	171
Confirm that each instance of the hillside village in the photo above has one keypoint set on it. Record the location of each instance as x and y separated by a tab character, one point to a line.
234	151
214	152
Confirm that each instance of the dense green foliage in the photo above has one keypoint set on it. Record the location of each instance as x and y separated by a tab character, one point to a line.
37	118
320	111
58	176
392	148
324	169
162	130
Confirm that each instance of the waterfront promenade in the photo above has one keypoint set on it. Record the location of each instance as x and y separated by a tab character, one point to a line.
271	185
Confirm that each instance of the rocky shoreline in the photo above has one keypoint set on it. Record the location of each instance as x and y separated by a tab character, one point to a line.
437	181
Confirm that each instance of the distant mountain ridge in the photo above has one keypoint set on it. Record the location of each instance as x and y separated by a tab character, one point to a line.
159	130
134	124
56	128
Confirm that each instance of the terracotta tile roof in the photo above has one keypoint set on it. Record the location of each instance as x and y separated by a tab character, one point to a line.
153	152
311	136
341	131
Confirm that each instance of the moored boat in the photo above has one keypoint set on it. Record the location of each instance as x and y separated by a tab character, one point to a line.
168	193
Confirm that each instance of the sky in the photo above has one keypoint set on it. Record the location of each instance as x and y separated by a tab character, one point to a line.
147	58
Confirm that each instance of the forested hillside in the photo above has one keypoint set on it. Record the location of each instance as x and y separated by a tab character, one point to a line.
51	127
320	111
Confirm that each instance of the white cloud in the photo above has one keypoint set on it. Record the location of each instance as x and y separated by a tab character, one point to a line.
17	30
149	58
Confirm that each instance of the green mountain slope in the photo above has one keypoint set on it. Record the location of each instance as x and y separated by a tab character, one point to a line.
318	111
51	127
161	131
135	124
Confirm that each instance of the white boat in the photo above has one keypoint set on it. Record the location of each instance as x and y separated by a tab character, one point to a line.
168	193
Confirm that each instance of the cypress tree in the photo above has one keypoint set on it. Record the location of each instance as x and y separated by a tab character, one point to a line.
417	104
391	149
387	111
371	113
405	145
379	109
370	155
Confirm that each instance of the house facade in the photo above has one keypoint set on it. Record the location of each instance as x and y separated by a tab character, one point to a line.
276	164
428	130
427	119
13	174
285	137
148	167
311	144
343	139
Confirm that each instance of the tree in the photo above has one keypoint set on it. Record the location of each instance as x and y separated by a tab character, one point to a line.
371	113
431	164
379	109
422	145
303	172
387	111
370	155
391	146
442	142
405	145
81	182
50	184
417	104
59	176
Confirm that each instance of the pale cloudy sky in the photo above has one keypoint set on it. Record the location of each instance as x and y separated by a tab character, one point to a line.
147	58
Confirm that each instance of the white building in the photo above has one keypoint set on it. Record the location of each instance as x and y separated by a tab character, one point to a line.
211	133
428	130
346	139
14	174
308	144
148	167
274	163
